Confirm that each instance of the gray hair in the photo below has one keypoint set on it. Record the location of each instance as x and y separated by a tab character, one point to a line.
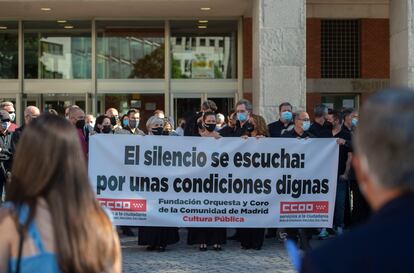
154	120
296	115
384	138
247	103
320	110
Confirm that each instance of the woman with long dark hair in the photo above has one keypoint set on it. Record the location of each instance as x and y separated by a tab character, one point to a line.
51	221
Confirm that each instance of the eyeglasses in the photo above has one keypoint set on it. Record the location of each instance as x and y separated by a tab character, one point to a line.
305	119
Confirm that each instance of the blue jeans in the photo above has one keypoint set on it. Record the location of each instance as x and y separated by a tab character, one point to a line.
339	214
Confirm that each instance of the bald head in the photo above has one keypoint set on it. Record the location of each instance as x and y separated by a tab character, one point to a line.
112	112
30	113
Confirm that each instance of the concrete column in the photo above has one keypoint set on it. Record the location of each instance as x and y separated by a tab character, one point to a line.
279	55
402	42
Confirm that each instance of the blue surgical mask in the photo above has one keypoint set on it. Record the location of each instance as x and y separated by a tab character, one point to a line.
125	122
306	125
242	117
287	115
4	125
354	122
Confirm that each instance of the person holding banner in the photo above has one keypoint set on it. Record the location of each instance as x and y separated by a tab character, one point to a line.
157	238
207	236
383	162
285	121
301	130
254	237
52	221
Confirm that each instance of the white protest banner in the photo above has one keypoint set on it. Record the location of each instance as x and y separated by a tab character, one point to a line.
207	182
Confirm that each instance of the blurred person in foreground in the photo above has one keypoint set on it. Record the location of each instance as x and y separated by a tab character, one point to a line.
383	162
51	221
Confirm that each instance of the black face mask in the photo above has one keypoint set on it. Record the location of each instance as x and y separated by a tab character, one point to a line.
328	125
182	125
113	121
80	124
156	131
210	127
106	129
165	133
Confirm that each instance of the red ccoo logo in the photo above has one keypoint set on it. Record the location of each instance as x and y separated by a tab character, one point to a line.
304	207
124	204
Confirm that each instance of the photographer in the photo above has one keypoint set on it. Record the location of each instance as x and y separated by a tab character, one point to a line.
5	148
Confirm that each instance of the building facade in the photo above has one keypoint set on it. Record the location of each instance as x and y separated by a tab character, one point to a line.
172	54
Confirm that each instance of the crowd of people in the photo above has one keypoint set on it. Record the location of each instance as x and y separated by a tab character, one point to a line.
350	207
51	221
240	122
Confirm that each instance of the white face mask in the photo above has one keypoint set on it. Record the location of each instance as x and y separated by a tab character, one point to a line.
12	116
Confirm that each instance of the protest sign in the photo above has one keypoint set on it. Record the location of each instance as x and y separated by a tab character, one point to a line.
207	182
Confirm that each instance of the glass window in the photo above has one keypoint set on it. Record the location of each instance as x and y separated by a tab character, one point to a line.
130	49
55	50
9	50
203	60
340	101
146	103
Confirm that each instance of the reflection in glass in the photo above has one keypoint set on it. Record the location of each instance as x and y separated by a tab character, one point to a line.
9	50
130	49
53	52
203	53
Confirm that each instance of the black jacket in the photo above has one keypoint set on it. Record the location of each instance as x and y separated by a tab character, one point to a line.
383	245
276	128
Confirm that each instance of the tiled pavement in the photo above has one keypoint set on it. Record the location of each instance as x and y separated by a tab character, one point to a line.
183	258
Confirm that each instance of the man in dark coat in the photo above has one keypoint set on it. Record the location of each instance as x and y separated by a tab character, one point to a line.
383	162
285	121
5	148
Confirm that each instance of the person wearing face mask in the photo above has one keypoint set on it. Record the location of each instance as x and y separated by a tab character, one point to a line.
207	236
300	130
157	238
9	108
252	238
124	121
350	119
168	128
358	207
193	122
133	123
243	111
30	113
343	139
76	116
228	129
285	121
383	161
113	115
181	125
301	126
320	128
103	125
5	149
